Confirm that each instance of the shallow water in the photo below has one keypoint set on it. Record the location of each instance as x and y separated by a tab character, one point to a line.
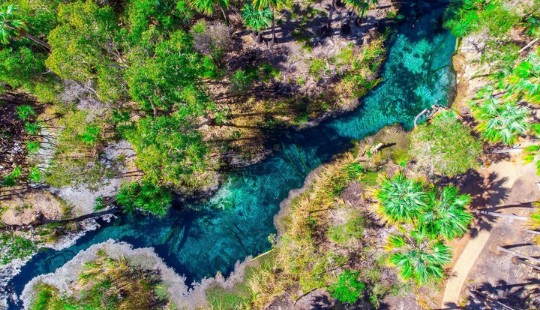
239	218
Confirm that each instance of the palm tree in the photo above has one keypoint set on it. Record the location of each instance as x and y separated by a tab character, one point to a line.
11	26
273	5
400	199
418	257
498	122
256	20
525	79
358	6
445	215
207	6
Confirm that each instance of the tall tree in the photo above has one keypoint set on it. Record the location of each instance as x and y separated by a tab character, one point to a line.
12	26
273	5
256	20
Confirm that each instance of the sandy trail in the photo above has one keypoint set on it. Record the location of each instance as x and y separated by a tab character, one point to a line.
528	191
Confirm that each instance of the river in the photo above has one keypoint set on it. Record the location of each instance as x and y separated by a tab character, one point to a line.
237	221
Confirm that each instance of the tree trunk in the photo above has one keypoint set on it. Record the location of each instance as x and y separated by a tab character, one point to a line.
258	36
516	254
38	41
224	14
30	37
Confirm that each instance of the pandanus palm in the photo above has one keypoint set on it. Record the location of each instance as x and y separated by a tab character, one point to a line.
400	199
525	80
418	257
273	5
256	20
445	214
500	122
207	7
12	27
359	6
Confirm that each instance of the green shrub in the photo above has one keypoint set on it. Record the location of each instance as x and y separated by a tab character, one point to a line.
347	289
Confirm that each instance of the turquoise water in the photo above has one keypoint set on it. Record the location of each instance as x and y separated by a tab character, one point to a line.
236	222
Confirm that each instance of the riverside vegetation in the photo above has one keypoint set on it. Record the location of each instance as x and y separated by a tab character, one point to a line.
377	221
182	81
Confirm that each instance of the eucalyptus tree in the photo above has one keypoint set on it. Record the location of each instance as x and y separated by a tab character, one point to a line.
418	257
256	20
446	214
500	122
273	5
401	199
12	26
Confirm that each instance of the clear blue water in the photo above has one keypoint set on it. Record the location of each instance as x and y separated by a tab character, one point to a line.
236	222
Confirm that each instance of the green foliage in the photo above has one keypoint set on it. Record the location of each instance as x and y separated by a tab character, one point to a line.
207	7
317	68
500	122
242	80
105	283
11	178
169	153
360	6
32	147
35	175
524	82
79	134
401	199
90	135
352	229
14	247
144	196
156	82
10	24
81	55
419	258
347	289
256	20
532	154
25	112
461	16
99	204
445	215
444	145
497	18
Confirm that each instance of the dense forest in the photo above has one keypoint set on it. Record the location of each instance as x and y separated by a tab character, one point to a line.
162	99
160	74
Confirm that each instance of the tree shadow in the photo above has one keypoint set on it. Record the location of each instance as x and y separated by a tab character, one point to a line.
485	192
502	295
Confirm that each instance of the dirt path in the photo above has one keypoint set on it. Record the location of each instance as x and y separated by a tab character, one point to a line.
525	190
